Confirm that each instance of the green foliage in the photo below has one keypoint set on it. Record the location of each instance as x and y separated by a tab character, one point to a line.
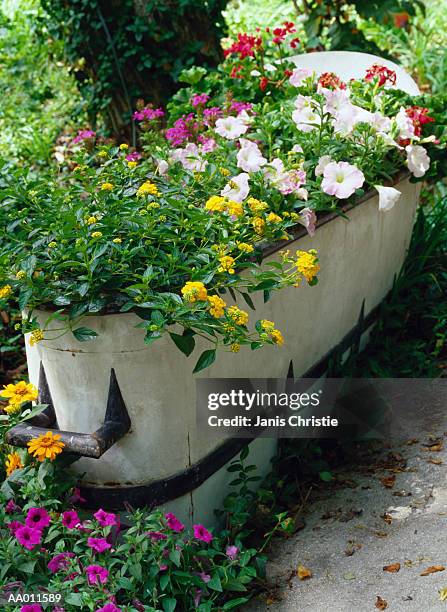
38	95
122	50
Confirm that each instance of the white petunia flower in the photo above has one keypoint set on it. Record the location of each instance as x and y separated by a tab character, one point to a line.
231	127
418	160
249	157
388	197
237	188
322	163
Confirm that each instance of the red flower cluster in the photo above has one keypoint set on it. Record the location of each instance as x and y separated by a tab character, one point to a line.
419	116
281	33
245	46
329	80
386	76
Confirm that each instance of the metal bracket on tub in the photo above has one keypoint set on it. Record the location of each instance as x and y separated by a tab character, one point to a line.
116	423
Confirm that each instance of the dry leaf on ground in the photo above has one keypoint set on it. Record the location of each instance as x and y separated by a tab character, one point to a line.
303	572
432	570
433	448
388	481
435	461
443	594
381	604
393	568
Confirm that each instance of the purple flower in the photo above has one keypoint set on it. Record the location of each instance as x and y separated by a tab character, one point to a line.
208	144
163	567
110	607
11	507
198	597
238	107
96	574
231	552
198	99
38	518
201	533
98	544
156	536
182	130
59	561
210	115
28	537
133	157
148	114
76	497
83	135
174	523
105	519
70	519
31	608
13	526
205	577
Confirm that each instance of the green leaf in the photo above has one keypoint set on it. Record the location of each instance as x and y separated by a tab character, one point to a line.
27	567
205	360
234	603
74	599
325	476
185	343
24	297
82	334
215	584
174	556
249	301
169	604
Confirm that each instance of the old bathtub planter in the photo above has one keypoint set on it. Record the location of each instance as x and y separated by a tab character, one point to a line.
146	448
163	458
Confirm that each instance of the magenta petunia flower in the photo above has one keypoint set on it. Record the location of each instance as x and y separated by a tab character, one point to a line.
98	544
205	577
156	536
59	561
11	507
105	519
70	519
37	518
201	533
231	552
110	607
96	574
76	497
148	114
174	523
83	135
28	537
31	608
13	526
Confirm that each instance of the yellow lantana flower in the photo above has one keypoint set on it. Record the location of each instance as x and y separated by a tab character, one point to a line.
106	187
240	317
146	189
269	326
5	292
234	208
13	462
307	264
277	337
117	240
46	446
96	234
132	164
215	203
235	347
124	146
18	394
272	218
256	206
258	225
194	292
91	220
217	306
245	247
36	336
226	264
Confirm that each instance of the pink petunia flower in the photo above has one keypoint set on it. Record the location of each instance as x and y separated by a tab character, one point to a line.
96	574
134	156
70	519
83	135
232	552
174	523
201	533
98	544
28	537
105	519
109	607
308	219
37	518
31	608
341	179
156	536
205	577
59	561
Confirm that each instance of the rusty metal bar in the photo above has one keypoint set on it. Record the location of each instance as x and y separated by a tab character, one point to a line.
116	423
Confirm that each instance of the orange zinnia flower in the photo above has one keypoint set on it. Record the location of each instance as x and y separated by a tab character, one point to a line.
46	446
